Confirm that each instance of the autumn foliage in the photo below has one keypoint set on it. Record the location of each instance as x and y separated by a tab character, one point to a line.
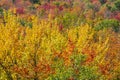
58	40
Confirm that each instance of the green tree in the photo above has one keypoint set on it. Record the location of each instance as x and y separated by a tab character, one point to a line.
35	1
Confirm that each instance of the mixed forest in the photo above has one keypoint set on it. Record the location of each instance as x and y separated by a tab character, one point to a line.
59	39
